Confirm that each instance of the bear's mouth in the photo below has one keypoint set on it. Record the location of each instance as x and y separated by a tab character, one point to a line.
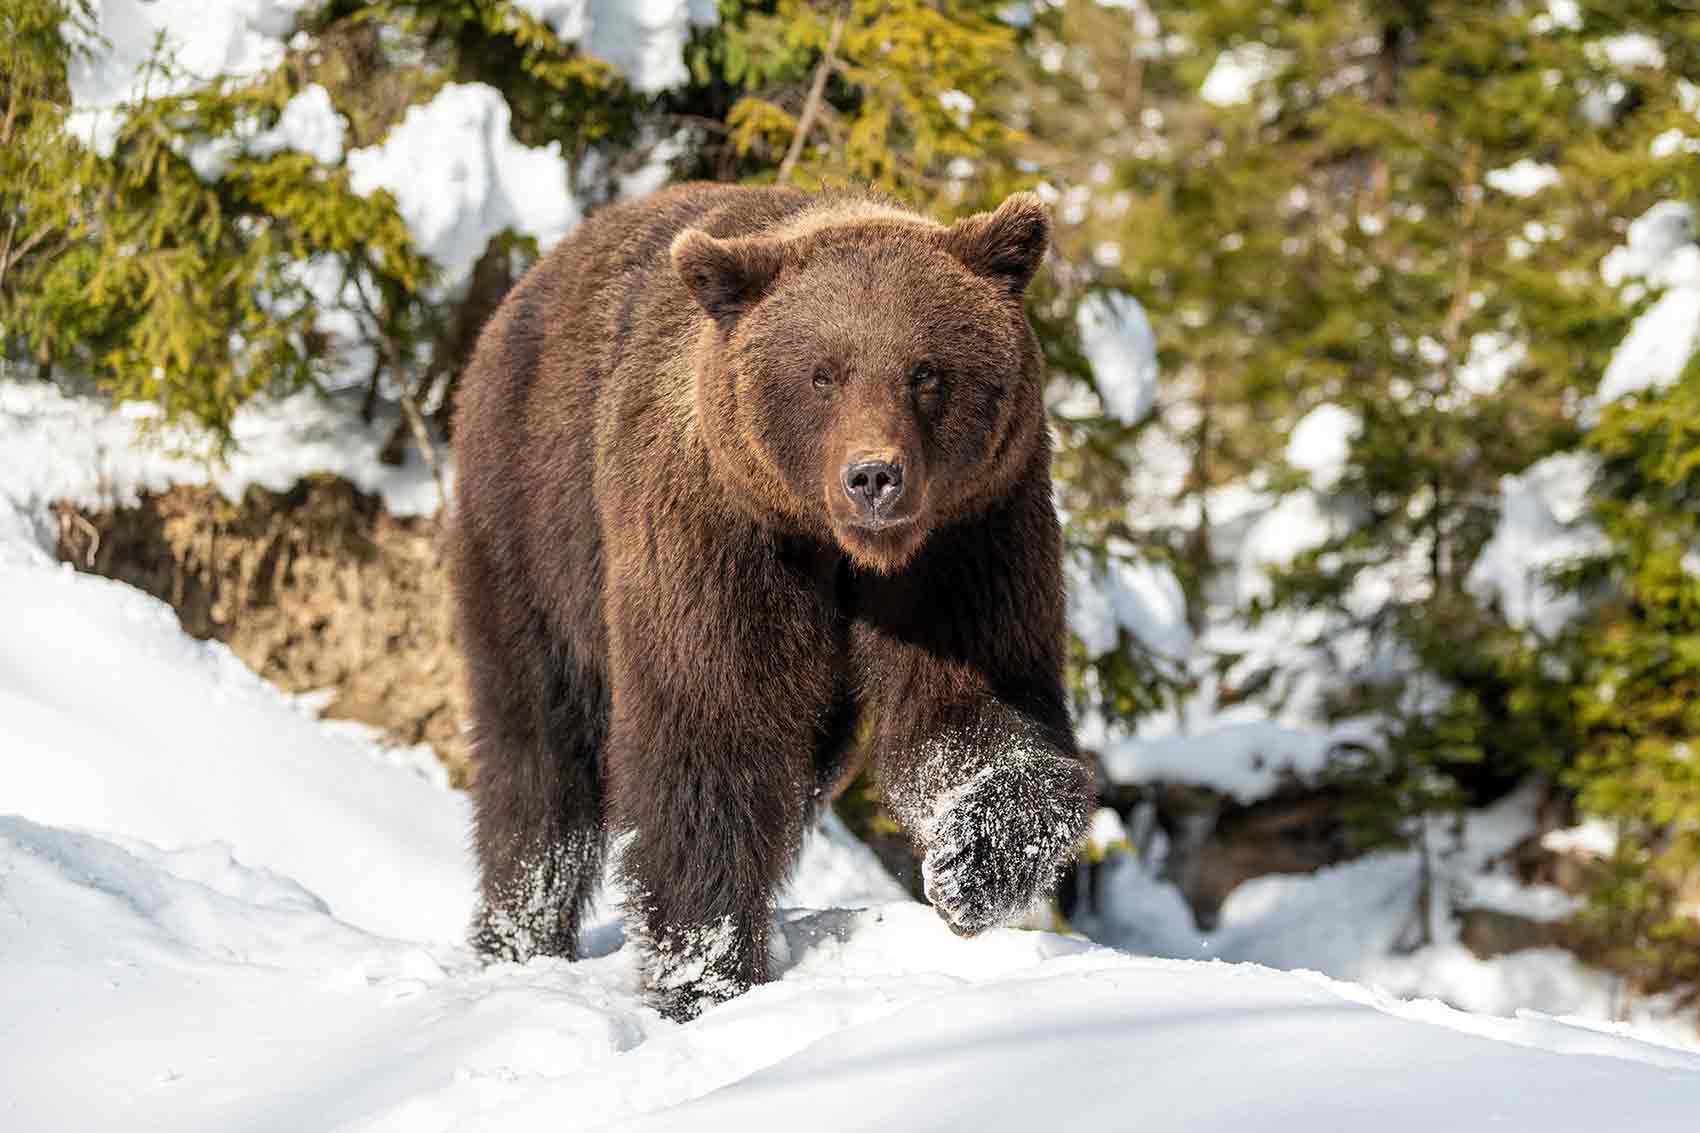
879	523
883	543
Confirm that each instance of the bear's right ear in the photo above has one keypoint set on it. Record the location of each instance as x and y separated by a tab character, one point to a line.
727	277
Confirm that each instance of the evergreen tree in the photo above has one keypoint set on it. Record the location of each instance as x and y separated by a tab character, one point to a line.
1637	697
171	270
1372	152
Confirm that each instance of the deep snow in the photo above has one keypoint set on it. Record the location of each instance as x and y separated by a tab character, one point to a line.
217	914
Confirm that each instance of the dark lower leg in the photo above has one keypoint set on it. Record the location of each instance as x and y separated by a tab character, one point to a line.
705	853
540	853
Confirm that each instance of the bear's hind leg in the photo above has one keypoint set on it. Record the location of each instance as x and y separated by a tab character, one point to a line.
539	840
538	723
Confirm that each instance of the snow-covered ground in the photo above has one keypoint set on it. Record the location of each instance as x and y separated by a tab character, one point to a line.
218	912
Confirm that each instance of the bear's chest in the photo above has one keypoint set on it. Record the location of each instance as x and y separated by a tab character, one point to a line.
822	573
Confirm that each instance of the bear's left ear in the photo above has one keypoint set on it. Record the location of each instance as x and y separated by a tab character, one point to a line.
1007	245
726	277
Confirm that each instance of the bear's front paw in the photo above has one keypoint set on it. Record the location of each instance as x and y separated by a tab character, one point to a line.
998	841
690	968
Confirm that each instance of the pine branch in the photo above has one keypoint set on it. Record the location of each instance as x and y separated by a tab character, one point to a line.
812	103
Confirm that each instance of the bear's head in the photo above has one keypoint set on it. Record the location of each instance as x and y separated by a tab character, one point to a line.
870	376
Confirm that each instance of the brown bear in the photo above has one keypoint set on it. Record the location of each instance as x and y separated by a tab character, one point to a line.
749	478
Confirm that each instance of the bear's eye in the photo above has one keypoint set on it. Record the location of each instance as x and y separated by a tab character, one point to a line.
923	379
823	377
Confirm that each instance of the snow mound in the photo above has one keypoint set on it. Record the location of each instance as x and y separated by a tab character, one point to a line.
213	996
233	916
116	721
1248	759
482	181
1075	1024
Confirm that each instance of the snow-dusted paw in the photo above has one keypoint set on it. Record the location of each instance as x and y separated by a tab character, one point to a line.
689	969
997	841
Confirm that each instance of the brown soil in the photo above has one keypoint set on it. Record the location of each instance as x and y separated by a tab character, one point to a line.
317	587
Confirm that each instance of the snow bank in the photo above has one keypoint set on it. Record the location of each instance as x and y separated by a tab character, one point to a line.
118	722
228	915
59	447
481	180
645	39
1247	759
1362	920
1075	1025
209	995
240	918
1545	904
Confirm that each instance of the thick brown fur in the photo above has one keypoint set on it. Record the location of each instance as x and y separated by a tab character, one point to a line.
675	619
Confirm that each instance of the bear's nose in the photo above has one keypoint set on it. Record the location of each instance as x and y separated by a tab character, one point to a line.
873	485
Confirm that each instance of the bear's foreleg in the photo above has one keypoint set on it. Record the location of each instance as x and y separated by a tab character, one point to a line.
998	806
719	695
961	664
709	820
